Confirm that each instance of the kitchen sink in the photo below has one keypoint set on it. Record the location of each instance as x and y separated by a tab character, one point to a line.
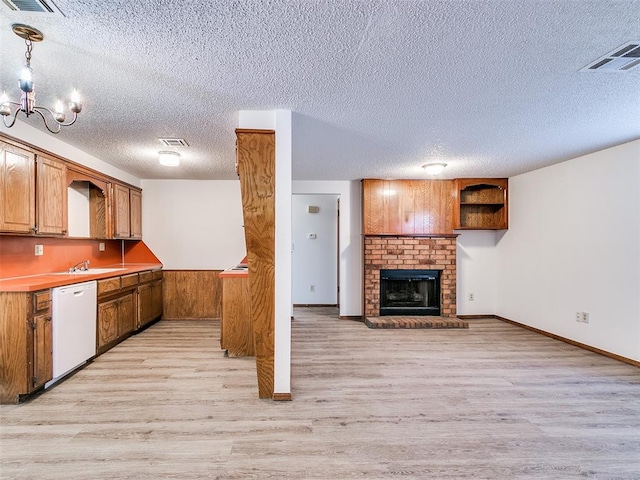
91	271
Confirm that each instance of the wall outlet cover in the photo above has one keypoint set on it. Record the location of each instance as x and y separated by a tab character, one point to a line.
39	250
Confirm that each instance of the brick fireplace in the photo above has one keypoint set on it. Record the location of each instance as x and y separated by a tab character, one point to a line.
389	252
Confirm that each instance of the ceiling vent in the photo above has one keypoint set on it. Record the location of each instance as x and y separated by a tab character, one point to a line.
623	59
174	142
37	6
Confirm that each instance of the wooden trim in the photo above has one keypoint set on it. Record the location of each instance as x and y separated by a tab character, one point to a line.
357	318
467	317
179	319
191	294
282	397
254	130
613	356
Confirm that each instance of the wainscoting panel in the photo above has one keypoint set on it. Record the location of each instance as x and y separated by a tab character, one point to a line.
191	294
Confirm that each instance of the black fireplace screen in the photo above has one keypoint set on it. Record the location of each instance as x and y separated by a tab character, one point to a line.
409	292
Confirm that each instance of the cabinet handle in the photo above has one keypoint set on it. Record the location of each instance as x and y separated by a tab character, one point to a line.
48	318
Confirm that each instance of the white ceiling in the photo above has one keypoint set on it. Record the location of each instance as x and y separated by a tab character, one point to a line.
377	88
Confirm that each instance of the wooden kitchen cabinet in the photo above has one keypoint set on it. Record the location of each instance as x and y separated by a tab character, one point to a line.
26	356
135	204
51	189
127	212
17	189
149	299
236	330
116	320
121	211
481	204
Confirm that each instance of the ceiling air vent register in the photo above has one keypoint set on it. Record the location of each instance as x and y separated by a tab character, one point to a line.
623	59
174	142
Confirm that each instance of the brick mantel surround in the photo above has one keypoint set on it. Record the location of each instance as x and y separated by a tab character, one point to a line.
426	252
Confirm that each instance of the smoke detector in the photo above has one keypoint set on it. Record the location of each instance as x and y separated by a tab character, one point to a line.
623	59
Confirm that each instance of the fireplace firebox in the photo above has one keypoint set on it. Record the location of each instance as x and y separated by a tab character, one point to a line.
409	292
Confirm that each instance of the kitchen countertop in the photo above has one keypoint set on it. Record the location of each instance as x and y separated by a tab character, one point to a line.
240	270
32	283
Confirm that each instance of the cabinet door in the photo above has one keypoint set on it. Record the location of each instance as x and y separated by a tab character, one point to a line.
51	189
126	315
121	209
107	322
135	199
42	357
17	189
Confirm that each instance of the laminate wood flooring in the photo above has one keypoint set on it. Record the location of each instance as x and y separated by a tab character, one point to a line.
493	401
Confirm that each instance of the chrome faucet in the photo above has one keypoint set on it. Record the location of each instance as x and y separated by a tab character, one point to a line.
83	265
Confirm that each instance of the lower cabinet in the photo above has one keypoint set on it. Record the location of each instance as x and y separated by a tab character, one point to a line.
116	320
149	298
236	331
26	353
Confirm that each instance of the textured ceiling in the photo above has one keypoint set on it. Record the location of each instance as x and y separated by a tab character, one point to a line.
377	88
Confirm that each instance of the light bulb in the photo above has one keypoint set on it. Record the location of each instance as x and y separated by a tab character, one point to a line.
59	107
434	168
26	75
75	98
3	98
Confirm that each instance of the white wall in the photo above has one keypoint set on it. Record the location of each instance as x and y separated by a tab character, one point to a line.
350	241
57	145
476	272
315	260
193	224
573	244
78	211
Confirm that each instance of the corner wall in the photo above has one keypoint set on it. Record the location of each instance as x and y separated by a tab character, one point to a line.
573	245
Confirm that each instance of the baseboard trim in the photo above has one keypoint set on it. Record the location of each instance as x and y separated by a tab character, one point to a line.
471	317
357	318
315	305
178	319
282	397
613	356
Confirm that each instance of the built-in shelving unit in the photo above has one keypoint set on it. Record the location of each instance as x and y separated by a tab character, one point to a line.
481	204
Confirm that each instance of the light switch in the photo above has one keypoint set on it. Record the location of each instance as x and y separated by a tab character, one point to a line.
101	246
39	250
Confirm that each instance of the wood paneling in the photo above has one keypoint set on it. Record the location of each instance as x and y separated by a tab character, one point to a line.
51	205
17	189
256	169
481	203
191	294
407	207
42	344
97	212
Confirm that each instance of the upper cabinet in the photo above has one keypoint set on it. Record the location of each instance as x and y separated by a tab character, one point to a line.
51	188
17	189
407	207
481	204
127	212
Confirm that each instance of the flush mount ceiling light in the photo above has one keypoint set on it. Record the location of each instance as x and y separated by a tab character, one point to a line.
434	168
169	159
27	104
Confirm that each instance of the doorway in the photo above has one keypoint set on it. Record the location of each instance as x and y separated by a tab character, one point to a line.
315	249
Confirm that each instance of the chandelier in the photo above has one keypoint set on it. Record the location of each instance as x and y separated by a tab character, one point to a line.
27	104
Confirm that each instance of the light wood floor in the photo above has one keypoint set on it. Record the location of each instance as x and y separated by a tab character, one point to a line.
491	402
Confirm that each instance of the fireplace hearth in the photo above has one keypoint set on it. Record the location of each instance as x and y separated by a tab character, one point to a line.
409	292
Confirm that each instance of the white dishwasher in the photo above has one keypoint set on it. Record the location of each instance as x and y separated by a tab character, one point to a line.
74	326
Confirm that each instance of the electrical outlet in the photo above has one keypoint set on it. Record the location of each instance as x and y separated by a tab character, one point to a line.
585	317
578	316
312	288
101	246
471	297
39	250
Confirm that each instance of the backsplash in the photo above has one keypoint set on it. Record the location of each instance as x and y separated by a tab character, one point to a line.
17	254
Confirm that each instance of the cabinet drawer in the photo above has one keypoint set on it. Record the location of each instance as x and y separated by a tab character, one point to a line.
108	285
157	274
41	300
146	276
129	280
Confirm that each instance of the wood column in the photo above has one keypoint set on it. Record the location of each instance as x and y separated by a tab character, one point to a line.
256	169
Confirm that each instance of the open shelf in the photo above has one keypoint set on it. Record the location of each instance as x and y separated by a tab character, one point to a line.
481	204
